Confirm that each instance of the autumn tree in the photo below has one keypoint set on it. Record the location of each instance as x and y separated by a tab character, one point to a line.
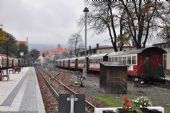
109	16
8	46
143	18
127	22
75	43
2	36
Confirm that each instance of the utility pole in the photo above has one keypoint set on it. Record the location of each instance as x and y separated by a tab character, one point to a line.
86	10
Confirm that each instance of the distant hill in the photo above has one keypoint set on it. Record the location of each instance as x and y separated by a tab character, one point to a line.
41	46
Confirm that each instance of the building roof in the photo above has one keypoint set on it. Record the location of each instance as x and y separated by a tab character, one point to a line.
18	42
60	50
103	47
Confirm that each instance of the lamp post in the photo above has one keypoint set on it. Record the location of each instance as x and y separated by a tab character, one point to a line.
21	55
86	10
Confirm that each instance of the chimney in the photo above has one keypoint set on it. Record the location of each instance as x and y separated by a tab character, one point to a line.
89	47
97	45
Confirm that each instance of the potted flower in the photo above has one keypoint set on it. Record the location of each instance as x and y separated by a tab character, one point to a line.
142	102
127	106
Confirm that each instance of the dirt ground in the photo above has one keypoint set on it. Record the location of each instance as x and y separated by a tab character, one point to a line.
158	96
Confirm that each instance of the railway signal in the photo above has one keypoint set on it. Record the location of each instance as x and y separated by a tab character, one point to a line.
72	99
71	103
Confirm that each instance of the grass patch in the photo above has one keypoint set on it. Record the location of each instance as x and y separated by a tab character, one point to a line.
111	101
167	109
115	101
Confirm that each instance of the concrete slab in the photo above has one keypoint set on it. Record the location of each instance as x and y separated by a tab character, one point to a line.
21	94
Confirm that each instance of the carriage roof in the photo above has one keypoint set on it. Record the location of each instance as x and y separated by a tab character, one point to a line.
73	58
137	51
97	56
82	58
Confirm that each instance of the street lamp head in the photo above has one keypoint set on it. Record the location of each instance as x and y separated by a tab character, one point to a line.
21	54
86	10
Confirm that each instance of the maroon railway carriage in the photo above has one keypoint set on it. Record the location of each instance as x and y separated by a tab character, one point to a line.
144	63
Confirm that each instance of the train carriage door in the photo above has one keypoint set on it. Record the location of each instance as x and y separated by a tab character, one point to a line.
147	72
87	63
68	63
164	61
12	63
76	63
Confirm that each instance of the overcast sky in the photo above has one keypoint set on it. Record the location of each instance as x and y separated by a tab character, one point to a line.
43	21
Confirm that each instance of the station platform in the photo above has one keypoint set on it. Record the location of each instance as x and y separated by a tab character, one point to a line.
21	94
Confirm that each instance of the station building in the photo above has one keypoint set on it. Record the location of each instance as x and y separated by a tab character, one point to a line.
101	49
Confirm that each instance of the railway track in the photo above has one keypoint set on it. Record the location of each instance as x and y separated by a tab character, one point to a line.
57	87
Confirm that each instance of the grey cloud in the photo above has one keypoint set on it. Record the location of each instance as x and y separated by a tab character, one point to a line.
42	21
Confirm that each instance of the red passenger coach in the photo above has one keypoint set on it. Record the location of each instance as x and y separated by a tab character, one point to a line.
66	63
146	62
80	62
73	63
94	61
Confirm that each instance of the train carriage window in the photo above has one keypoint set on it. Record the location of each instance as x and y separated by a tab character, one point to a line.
116	59
93	61
124	60
120	59
113	59
98	60
133	59
129	60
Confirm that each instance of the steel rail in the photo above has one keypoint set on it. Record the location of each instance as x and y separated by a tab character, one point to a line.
49	85
88	104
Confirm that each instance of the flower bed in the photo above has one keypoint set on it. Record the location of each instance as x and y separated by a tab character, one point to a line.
142	110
